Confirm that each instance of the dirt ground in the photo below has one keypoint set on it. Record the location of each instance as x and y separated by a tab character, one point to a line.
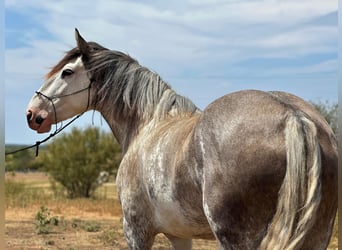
82	224
89	231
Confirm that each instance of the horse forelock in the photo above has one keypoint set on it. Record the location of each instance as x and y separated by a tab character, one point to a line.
69	56
72	55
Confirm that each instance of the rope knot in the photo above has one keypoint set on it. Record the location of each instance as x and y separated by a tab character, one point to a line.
37	147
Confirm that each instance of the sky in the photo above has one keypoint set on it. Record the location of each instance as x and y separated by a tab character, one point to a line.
203	48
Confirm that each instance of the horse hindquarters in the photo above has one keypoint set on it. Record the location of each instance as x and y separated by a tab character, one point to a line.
243	168
268	155
298	201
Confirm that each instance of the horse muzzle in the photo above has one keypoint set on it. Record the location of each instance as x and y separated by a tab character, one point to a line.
38	120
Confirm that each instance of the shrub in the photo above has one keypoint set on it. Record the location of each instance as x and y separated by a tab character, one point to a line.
75	160
329	111
43	221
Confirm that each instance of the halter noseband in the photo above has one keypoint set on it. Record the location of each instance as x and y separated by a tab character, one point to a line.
57	130
51	98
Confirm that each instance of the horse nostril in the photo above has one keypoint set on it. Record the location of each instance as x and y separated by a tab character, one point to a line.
39	119
28	116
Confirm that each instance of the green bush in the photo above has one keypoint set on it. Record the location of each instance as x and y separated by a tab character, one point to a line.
329	111
92	226
75	160
43	221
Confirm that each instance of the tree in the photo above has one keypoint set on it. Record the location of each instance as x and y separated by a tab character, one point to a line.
329	111
75	160
23	160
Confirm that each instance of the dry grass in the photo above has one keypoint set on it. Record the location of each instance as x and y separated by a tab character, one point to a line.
83	223
76	217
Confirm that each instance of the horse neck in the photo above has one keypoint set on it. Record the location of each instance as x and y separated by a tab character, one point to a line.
125	129
123	132
144	99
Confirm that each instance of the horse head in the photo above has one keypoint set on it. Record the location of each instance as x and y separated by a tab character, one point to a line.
65	92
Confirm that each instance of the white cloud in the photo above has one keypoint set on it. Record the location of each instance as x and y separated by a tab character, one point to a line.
302	37
31	63
172	22
179	39
325	67
187	34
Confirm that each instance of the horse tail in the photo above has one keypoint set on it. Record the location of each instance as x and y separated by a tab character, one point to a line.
300	193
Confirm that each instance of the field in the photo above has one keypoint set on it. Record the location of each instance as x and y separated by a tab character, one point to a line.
35	219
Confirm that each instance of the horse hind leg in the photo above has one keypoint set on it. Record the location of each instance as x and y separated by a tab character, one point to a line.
179	244
217	228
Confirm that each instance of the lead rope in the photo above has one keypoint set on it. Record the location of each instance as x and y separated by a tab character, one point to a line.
37	144
57	130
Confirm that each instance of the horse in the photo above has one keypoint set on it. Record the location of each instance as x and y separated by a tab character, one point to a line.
253	170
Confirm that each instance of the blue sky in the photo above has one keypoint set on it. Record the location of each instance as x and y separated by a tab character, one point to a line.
202	48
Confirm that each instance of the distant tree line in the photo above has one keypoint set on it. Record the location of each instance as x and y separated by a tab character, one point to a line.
329	111
81	160
22	161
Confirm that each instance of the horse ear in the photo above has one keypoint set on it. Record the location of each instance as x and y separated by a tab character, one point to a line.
81	43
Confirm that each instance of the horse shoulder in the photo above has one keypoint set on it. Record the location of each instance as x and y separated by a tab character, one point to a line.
165	171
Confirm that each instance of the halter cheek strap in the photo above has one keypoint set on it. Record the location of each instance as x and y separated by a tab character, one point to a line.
51	98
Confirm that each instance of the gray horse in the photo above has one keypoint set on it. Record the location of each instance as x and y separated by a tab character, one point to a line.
254	170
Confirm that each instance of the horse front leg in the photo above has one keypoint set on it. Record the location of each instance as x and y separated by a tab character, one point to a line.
137	222
137	233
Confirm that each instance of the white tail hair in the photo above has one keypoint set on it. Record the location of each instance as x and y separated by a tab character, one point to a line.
300	193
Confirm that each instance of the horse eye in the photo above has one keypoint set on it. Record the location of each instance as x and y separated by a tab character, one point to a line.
67	72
